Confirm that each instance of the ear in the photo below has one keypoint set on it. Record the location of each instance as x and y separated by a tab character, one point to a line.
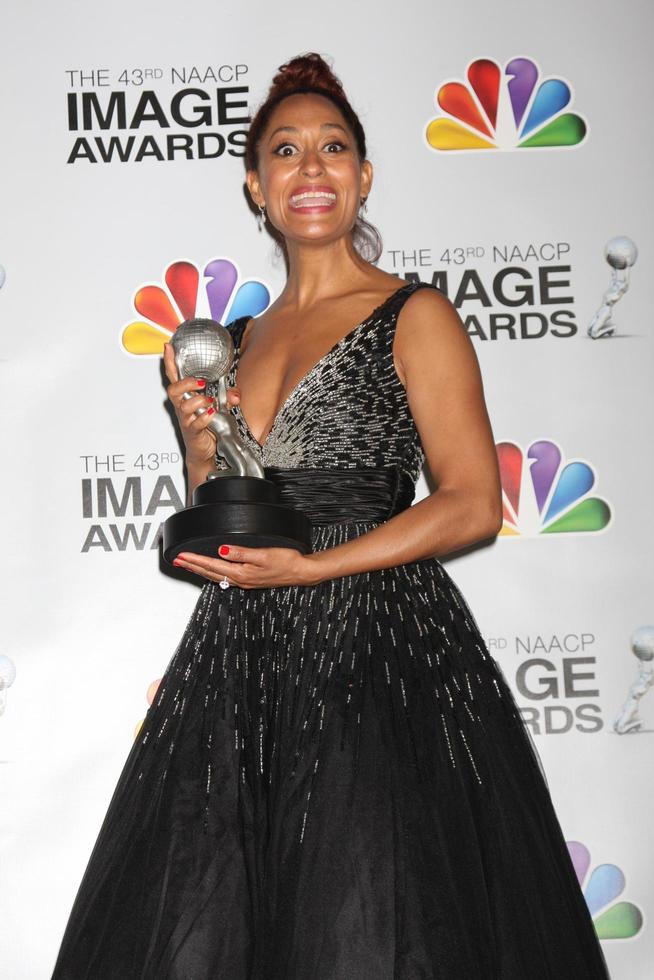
254	187
366	178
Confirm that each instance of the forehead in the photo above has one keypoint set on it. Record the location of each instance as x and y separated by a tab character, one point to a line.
305	111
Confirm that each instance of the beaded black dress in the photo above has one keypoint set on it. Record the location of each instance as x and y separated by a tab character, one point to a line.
334	781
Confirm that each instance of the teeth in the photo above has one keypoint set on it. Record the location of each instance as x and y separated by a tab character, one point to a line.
313	194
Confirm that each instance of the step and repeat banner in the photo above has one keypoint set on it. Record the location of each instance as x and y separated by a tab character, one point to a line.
507	173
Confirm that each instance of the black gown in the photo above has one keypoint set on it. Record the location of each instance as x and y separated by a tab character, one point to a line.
334	781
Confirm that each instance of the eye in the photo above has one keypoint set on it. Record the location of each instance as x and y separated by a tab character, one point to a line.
283	147
337	143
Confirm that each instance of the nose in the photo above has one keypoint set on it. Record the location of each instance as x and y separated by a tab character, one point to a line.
311	163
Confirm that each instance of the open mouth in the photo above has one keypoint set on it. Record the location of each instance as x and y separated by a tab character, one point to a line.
312	198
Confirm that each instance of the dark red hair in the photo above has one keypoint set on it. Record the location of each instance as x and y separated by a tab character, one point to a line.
304	75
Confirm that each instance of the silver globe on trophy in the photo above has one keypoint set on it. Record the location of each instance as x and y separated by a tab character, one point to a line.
236	505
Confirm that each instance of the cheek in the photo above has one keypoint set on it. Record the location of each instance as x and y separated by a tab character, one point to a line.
349	170
350	175
276	182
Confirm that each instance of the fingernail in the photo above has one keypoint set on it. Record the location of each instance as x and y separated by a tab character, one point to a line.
211	411
177	562
201	382
223	550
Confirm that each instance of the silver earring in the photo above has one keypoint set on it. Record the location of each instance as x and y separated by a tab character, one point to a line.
261	217
363	204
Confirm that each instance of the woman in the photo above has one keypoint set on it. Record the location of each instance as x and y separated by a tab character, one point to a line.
334	780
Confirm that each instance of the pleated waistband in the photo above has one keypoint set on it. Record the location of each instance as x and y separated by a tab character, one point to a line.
338	496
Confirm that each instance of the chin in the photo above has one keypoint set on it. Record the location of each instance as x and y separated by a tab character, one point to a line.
314	233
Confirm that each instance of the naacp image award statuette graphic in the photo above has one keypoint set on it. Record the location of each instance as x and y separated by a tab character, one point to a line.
237	505
642	646
621	254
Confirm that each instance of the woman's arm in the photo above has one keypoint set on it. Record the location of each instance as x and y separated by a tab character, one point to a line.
438	366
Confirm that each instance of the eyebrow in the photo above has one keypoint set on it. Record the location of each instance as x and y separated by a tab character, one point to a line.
294	129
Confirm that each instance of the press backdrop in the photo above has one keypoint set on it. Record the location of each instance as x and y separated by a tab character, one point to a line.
122	134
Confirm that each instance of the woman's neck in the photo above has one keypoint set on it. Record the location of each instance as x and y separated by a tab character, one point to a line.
317	272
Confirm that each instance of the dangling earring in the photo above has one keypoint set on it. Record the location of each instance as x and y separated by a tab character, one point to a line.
363	204
261	217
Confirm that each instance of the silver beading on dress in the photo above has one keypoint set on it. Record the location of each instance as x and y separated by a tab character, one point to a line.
224	584
205	349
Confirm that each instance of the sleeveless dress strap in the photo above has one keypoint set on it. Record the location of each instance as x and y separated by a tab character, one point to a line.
397	301
391	311
236	328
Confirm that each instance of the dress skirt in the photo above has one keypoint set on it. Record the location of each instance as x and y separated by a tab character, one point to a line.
333	783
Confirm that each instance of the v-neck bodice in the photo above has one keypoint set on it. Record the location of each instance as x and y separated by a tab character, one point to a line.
349	410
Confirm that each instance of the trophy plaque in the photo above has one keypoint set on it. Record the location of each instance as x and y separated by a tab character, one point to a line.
237	505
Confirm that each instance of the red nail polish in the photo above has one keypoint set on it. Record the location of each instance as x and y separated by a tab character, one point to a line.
211	411
223	550
176	561
201	382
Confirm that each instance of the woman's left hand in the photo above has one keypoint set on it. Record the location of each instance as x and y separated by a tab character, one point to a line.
252	568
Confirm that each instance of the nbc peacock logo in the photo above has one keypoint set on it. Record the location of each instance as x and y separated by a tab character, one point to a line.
223	297
542	494
605	883
506	108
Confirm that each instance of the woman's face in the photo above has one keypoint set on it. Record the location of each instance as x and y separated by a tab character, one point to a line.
309	174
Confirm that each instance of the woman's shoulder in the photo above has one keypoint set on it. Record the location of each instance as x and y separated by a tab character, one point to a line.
387	284
416	299
429	319
423	298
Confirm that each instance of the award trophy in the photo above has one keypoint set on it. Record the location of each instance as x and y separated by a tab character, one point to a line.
642	646
621	253
237	505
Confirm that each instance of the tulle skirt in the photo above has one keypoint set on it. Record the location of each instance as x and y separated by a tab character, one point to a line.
332	783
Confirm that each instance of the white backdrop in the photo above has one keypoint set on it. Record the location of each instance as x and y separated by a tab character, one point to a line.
89	619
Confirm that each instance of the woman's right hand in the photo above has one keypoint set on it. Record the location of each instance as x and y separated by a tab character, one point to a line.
200	442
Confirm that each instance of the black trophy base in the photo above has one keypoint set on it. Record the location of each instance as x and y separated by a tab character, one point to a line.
235	510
